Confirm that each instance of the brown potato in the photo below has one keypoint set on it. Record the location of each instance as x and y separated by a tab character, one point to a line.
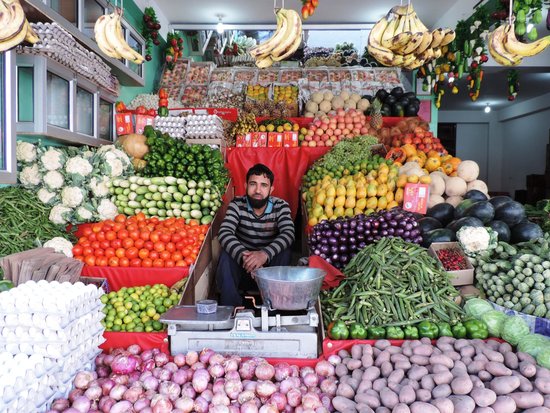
483	397
463	404
443	378
527	400
345	390
504	385
441	391
407	394
444	405
343	403
423	395
401	408
511	360
462	385
421	407
504	404
498	369
543	385
372	401
417	372
388	398
528	369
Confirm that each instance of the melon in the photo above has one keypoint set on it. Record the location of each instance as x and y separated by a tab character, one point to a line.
355	97
312	106
328	96
345	95
325	106
468	170
317	97
350	104
363	104
337	102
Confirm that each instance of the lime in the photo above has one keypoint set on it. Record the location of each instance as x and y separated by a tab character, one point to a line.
156	317
135	307
151	312
116	327
139	329
109	325
117	322
130	326
127	319
157	302
157	326
143	305
131	290
161	309
167	303
128	305
145	318
121	314
104	299
149	328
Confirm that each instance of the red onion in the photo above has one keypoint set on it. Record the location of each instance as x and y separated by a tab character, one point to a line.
150	383
60	404
82	404
177	411
161	404
103	371
294	371
216	371
282	371
200	405
220	398
231	364
232	375
146	355
188	391
235	408
133	377
161	359
247	370
179	359
105	404
216	358
324	368
147	410
265	371
74	393
200	381
191	358
268	408
156	372
170	389
311	401
329	386
219	408
149	394
133	394
246	396
233	388
165	375
303	389
288	409
124	364
294	397
123	406
108	359
327	402
120	378
218	386
106	386
250	385
249	407
118	391
189	372
288	384
311	380
205	355
134	349
208	395
299	409
82	379
265	388
92	410
93	393
334	359
71	410
198	366
279	400
141	404
147	365
306	370
179	377
185	404
145	374
171	367
100	359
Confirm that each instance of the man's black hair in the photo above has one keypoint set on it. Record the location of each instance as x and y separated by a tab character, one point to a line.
260	169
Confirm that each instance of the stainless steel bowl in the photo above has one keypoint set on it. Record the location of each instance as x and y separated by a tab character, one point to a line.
289	288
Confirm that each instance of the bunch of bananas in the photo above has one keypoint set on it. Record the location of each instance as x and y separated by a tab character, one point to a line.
507	50
14	27
284	42
110	39
400	39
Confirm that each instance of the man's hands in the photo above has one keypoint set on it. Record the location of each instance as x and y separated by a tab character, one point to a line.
252	260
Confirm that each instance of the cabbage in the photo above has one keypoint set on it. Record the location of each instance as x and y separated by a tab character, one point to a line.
543	358
514	330
494	320
475	307
533	344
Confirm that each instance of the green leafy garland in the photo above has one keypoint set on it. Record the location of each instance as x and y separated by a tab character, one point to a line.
150	31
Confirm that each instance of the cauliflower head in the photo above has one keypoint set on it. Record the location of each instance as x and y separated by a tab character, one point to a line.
60	214
52	159
100	186
78	167
45	196
84	213
72	196
25	152
61	245
30	176
473	239
106	210
54	180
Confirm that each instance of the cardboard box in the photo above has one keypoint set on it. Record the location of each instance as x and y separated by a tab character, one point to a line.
275	139
290	139
415	198
461	277
259	139
124	123
142	121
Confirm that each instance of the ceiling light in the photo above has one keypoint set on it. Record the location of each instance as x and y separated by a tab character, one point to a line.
487	108
220	27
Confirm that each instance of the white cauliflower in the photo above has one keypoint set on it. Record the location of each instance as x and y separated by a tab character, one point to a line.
54	180
30	176
60	245
106	209
105	148
45	196
72	196
473	239
100	186
118	154
113	167
78	167
83	214
60	214
88	154
52	159
25	152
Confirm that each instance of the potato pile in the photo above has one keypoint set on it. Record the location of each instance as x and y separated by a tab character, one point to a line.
321	103
461	376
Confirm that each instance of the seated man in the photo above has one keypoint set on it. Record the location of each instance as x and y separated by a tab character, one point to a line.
257	231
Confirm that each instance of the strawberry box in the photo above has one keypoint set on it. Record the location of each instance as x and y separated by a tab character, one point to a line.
452	258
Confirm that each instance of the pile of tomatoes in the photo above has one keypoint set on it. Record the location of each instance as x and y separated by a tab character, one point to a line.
138	241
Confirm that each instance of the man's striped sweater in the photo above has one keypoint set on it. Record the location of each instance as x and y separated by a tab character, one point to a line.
242	230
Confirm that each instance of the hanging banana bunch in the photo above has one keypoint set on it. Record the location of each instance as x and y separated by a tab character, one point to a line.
14	27
400	39
110	38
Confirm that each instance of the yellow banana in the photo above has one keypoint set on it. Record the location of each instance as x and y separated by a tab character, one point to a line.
514	46
438	35
382	54
418	23
100	38
400	41
425	43
497	50
264	62
448	38
263	49
113	34
292	39
391	30
15	23
413	44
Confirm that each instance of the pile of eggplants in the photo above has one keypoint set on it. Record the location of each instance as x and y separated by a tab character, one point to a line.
339	240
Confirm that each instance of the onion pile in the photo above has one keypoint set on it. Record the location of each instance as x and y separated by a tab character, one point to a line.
338	241
148	382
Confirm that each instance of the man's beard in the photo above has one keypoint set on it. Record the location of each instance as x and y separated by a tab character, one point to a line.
257	203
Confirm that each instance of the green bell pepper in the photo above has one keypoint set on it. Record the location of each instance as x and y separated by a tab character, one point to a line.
374	333
395	333
428	329
358	331
476	329
163	111
411	333
459	331
444	329
338	330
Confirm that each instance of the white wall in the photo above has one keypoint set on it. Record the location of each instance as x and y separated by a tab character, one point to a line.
472	142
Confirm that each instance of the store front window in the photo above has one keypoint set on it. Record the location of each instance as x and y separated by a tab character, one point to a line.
92	11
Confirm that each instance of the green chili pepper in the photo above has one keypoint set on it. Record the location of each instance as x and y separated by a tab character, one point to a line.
395	333
428	329
444	329
374	333
411	333
459	331
339	331
476	329
358	331
163	111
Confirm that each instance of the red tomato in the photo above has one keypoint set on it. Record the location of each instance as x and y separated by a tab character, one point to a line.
104	244
79	258
169	264
124	262
99	252
159	246
165	255
110	235
141	110
117	227
77	250
127	243
148	245
152	112
116	243
89	260
100	236
109	252
136	262
97	227
147	262
132	253
139	243
101	261
83	240
158	263
164	237
122	234
120	252
180	245
87	251
181	263
176	256
86	231
143	253
144	235
170	246
92	237
155	236
113	262
132	227
95	245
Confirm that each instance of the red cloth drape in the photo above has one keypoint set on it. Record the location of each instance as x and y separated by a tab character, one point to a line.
146	341
288	165
334	275
119	277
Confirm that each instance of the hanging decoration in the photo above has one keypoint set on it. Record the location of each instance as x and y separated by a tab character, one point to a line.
513	84
174	49
527	12
308	8
150	31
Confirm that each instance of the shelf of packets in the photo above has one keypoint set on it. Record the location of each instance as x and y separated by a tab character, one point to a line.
48	332
286	139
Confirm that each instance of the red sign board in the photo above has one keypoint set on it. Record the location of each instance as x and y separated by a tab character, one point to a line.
230	114
415	198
